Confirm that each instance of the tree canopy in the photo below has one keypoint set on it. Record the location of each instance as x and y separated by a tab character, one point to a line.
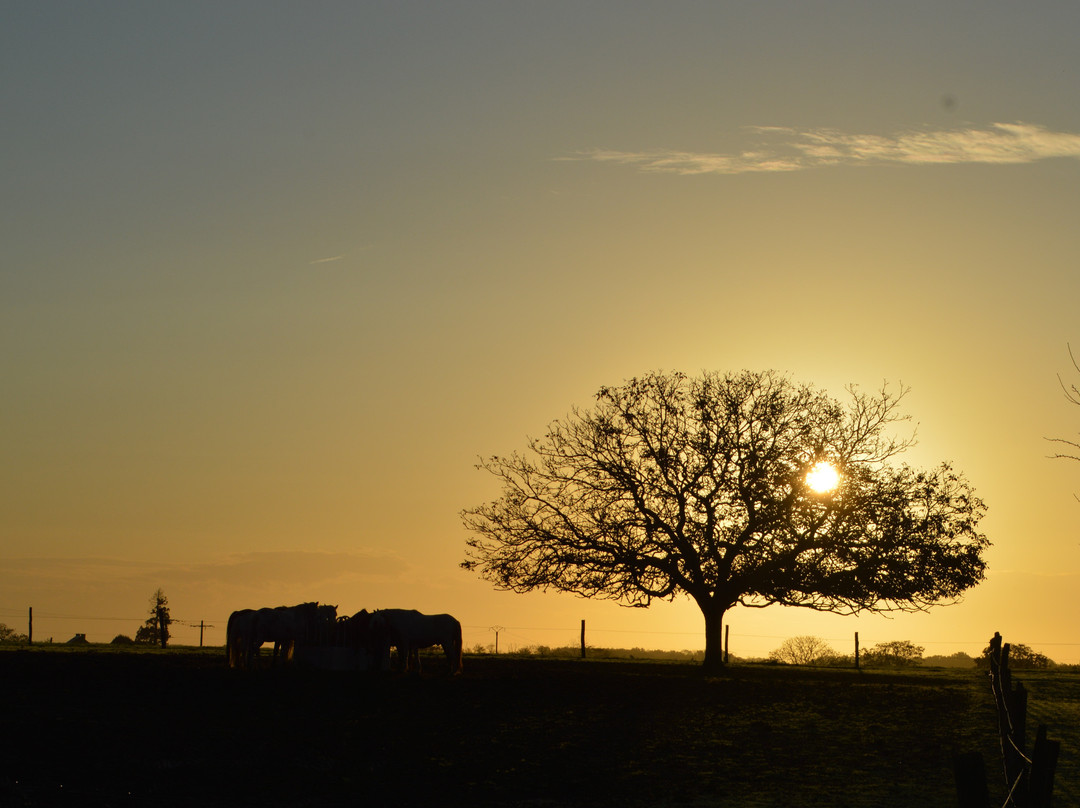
675	485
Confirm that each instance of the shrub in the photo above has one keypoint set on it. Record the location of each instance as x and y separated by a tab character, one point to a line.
8	634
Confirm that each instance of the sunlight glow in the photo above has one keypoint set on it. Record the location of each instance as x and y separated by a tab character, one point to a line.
823	477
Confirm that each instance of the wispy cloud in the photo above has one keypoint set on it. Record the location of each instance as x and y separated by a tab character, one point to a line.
291	566
787	149
329	260
295	566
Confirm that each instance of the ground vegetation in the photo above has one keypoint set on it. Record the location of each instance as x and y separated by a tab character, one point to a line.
510	731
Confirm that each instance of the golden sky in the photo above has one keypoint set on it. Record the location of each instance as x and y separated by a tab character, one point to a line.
274	276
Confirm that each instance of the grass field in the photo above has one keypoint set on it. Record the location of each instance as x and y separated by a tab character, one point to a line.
97	727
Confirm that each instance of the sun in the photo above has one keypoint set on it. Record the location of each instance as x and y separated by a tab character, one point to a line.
823	477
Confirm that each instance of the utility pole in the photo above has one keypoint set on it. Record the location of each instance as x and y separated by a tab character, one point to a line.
201	627
30	628
496	629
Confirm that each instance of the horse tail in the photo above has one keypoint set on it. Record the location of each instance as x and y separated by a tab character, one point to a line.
231	655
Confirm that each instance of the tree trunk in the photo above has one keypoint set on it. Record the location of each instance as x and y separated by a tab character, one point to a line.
163	629
714	637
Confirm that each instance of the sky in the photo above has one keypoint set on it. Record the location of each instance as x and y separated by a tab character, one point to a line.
274	277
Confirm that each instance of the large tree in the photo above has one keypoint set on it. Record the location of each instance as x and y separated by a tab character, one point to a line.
672	485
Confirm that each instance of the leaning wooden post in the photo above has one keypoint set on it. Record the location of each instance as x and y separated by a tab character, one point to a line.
1012	720
1030	781
582	639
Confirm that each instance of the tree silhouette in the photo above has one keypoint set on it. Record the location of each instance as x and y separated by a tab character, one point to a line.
1020	656
8	634
672	485
803	650
895	653
156	627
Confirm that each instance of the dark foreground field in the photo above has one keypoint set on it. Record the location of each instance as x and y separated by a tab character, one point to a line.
177	728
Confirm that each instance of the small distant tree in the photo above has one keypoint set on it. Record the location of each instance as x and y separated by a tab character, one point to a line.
156	627
8	634
894	654
1020	656
803	651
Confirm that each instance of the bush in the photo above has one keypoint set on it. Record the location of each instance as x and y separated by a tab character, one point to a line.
122	639
8	634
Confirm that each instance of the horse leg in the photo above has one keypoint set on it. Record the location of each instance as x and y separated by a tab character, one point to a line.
453	659
404	656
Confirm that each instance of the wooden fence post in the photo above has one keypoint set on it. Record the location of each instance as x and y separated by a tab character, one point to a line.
856	650
30	628
1012	719
727	636
1030	780
582	639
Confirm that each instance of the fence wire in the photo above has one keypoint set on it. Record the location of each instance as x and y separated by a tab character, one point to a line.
520	636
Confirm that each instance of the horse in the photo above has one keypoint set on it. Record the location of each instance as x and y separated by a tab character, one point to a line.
408	630
352	632
239	635
285	626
